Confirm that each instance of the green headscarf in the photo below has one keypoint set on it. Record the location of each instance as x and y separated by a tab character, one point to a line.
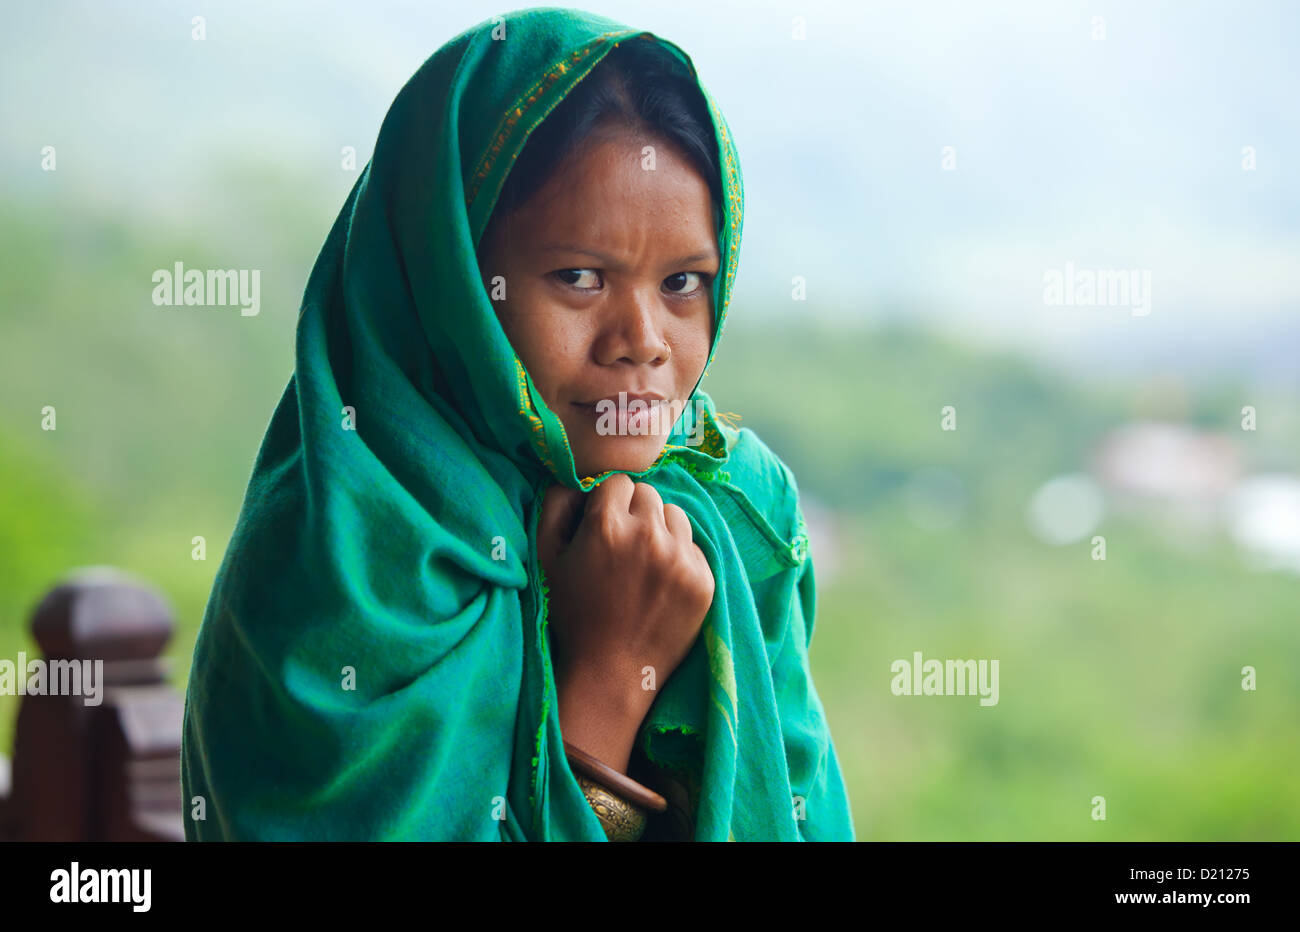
374	662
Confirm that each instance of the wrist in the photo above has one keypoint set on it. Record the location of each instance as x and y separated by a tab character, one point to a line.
601	714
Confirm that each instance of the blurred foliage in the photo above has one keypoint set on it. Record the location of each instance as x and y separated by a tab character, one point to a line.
1118	678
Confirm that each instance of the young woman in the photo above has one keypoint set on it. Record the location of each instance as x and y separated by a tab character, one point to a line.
501	573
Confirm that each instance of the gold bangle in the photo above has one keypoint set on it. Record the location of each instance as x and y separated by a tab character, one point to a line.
621	820
627	788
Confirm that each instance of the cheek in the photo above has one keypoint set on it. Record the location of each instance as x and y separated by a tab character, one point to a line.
692	352
549	342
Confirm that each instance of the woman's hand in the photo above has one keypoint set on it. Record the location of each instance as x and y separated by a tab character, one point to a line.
628	589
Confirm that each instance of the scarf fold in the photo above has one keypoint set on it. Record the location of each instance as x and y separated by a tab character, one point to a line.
373	662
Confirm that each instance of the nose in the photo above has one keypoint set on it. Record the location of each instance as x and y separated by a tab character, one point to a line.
632	331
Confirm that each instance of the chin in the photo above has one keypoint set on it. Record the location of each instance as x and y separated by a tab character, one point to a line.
630	454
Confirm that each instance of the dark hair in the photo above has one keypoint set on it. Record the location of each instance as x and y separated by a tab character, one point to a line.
639	85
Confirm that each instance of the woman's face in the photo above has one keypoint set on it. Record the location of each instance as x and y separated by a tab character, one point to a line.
608	272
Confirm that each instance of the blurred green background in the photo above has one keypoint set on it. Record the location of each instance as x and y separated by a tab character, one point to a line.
1119	678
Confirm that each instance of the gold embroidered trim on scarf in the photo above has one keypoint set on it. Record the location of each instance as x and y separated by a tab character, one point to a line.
512	116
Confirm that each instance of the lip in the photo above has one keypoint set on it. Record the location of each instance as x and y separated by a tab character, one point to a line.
641	420
650	398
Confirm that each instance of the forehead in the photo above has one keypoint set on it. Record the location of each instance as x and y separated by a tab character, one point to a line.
621	186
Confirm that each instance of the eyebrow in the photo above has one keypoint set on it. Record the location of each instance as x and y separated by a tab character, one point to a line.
710	256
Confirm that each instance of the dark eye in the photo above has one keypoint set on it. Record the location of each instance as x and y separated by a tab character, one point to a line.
678	284
583	279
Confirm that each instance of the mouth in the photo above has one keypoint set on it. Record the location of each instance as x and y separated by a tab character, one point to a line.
624	413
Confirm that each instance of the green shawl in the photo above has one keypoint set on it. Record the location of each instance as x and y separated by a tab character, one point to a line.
373	662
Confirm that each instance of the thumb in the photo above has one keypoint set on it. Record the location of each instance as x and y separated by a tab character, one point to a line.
561	508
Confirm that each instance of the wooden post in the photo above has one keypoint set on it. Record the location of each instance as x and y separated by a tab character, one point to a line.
6	779
106	770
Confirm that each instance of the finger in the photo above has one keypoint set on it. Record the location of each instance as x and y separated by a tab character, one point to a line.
678	524
647	506
561	508
613	496
703	562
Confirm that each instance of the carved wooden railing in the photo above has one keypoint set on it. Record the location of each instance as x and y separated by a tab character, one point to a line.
105	767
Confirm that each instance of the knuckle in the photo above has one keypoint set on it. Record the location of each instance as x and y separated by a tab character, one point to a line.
704	578
608	528
606	488
644	490
660	548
